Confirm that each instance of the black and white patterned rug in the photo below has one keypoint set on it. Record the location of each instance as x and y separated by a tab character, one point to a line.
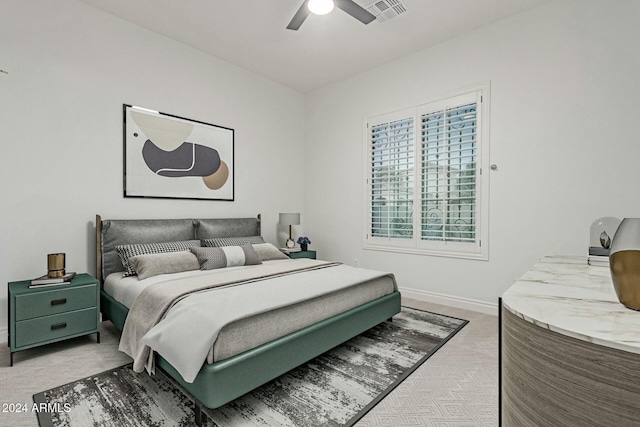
334	389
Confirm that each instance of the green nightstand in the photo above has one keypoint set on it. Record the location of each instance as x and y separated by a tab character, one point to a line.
302	254
44	315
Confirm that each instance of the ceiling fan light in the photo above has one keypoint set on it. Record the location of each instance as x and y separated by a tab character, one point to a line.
320	7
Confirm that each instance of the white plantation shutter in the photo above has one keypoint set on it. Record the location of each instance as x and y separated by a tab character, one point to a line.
426	192
391	180
449	162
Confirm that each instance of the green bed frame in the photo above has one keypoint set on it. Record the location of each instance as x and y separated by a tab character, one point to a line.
221	382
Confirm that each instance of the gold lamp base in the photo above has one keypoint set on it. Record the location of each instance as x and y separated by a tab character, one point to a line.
625	272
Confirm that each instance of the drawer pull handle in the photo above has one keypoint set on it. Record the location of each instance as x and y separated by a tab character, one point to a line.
59	326
59	301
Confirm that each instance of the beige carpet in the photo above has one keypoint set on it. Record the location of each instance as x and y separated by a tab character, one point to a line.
457	387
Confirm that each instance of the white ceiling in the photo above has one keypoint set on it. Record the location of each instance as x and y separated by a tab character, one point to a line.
252	33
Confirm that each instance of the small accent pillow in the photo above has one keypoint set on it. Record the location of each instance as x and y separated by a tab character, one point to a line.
219	242
267	252
128	251
149	265
226	256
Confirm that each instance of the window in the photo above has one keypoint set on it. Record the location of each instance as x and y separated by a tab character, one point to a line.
427	180
392	178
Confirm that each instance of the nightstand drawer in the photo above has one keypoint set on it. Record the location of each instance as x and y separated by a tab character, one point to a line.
55	301
54	327
303	254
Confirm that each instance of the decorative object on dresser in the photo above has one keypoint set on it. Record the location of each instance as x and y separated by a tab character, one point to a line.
324	391
43	315
159	148
52	281
601	232
304	242
56	265
290	219
624	262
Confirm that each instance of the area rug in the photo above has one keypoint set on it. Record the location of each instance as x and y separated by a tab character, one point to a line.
334	389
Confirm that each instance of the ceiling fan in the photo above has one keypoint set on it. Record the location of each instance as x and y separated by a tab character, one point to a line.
322	7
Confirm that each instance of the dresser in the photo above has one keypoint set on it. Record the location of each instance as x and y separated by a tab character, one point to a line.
48	314
570	350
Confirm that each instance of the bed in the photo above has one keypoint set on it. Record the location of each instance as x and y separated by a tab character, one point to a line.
230	368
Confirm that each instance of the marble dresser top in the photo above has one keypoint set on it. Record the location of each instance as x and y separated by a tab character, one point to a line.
568	296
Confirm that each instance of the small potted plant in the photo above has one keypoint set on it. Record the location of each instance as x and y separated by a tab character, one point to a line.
303	241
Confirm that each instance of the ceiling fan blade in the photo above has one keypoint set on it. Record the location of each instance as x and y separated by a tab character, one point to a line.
299	17
355	10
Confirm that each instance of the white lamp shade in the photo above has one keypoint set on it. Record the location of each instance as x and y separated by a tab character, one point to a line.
290	218
320	7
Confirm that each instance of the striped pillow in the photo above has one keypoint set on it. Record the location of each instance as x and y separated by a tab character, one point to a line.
226	256
129	251
218	242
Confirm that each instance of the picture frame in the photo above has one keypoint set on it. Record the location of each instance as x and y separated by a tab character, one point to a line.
172	157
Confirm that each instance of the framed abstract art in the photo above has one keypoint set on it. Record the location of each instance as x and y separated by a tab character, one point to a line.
167	156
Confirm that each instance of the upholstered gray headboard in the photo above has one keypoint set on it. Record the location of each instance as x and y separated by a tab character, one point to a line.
113	232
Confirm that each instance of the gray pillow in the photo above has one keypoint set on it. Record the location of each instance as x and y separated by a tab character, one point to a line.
129	251
267	252
226	256
149	265
231	241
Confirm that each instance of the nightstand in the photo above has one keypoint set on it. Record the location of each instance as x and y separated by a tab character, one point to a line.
47	314
302	254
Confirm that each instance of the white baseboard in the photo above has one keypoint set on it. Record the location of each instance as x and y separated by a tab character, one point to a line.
452	301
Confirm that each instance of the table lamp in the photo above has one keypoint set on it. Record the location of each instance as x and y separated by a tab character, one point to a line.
290	219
